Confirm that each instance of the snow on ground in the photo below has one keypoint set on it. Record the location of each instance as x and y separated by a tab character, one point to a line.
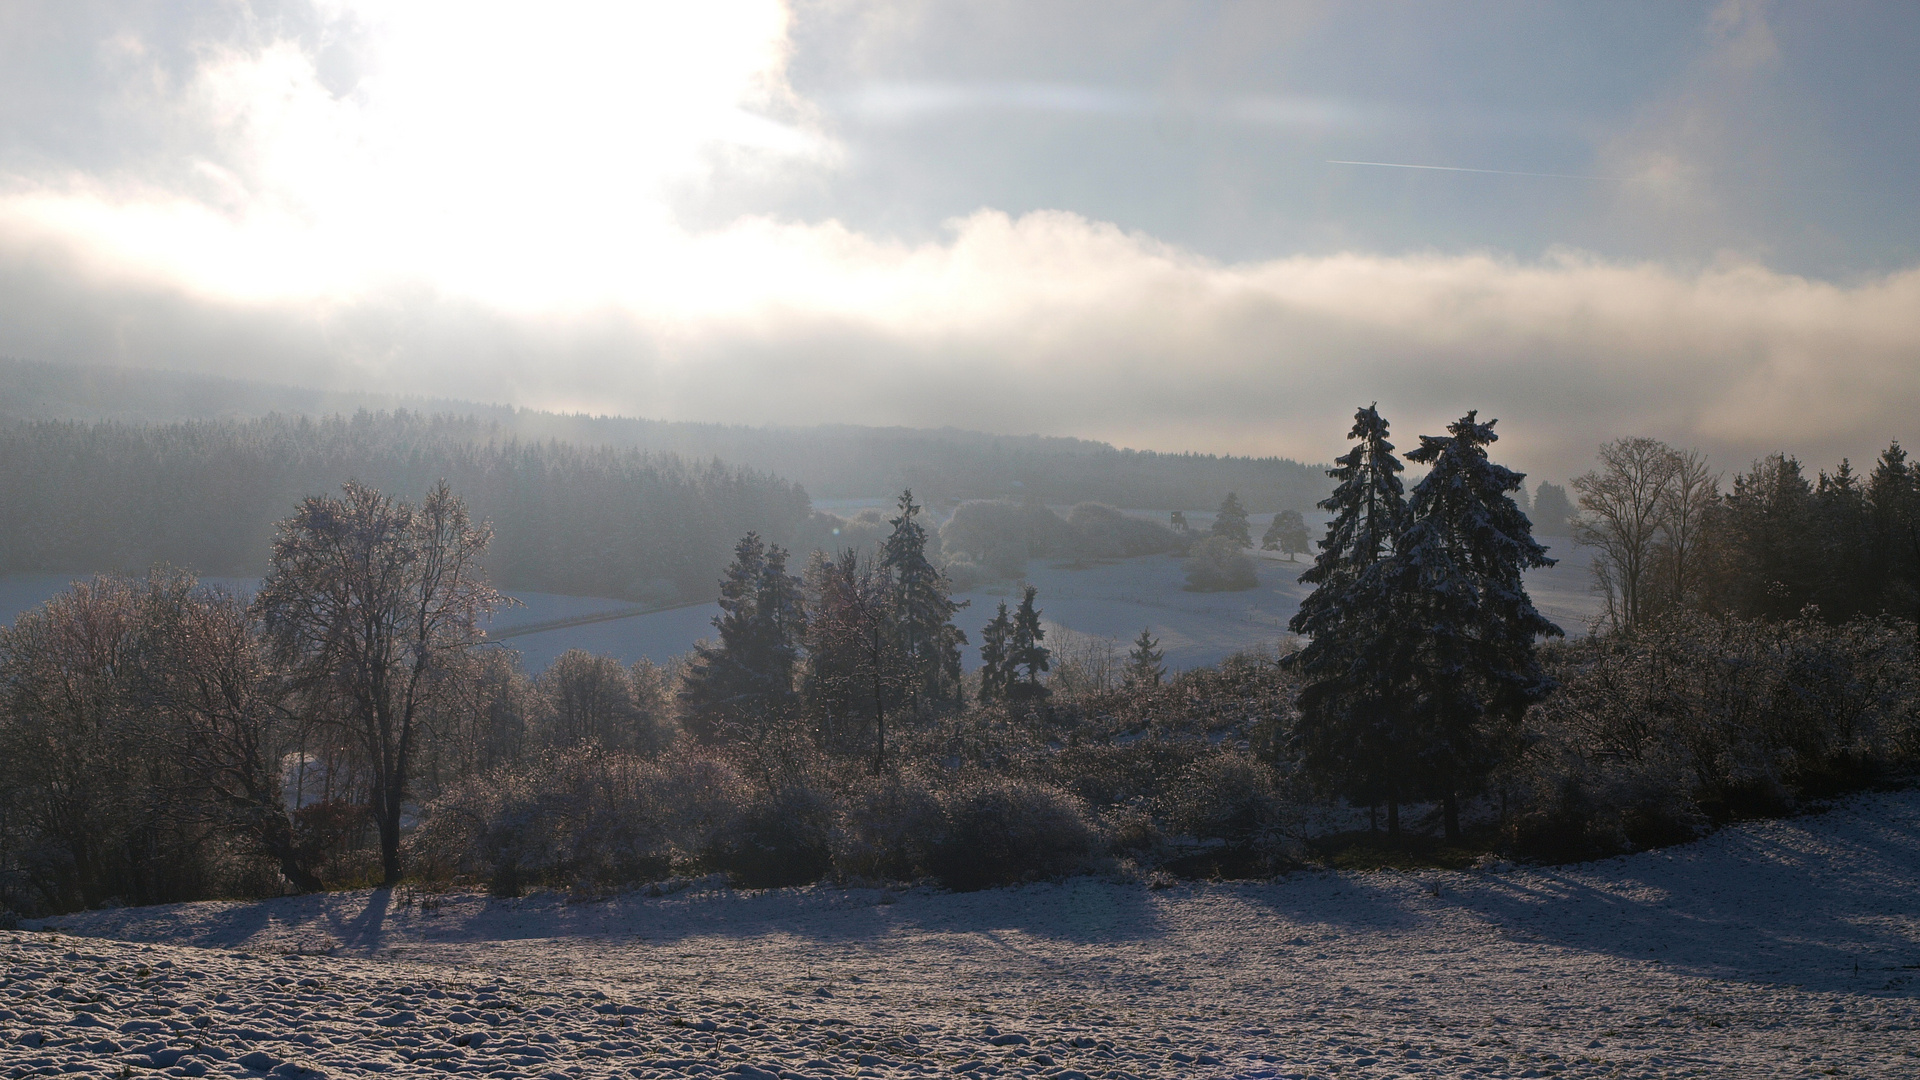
1113	600
1109	600
1776	949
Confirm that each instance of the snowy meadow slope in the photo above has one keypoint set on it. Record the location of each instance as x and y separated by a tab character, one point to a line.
1784	948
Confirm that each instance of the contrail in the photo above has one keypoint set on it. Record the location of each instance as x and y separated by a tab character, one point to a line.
1489	172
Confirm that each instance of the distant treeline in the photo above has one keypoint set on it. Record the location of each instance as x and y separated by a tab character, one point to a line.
947	464
205	494
942	466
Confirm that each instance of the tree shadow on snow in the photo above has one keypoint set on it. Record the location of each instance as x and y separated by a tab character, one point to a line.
1782	903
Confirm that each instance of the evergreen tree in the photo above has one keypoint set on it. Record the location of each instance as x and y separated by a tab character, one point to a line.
1231	521
1288	533
1844	537
923	605
1893	508
1350	726
1552	513
747	678
1466	646
1146	664
1026	656
1768	525
996	668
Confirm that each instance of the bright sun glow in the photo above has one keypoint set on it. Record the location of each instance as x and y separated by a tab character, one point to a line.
523	162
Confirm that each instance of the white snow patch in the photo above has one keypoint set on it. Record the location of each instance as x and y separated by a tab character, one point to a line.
1785	948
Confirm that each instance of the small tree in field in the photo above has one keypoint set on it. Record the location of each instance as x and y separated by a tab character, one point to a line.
1026	656
220	712
1231	522
996	664
1288	533
367	603
1146	664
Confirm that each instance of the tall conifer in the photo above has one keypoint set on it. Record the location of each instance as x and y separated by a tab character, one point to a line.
996	667
929	643
1350	727
1025	651
1466	641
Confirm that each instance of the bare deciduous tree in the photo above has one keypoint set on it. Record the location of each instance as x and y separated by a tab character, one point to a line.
855	673
220	712
1692	488
1621	514
366	602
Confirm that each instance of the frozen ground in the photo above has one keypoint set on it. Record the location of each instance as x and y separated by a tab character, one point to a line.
1778	949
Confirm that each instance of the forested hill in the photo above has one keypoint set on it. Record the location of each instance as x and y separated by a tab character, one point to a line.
205	495
831	462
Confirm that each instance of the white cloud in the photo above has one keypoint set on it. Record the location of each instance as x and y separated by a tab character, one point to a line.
486	212
1054	323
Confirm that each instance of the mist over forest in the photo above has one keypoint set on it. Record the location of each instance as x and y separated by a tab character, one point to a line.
833	461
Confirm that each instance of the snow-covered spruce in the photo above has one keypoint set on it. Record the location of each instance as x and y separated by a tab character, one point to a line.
1776	949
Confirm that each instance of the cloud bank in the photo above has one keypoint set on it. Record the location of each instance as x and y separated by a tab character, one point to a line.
425	223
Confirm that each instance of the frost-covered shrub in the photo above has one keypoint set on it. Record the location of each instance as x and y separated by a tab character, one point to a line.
1655	734
1217	565
1568	805
1002	830
1102	532
863	531
1109	774
783	836
888	825
589	698
1134	829
1229	796
581	817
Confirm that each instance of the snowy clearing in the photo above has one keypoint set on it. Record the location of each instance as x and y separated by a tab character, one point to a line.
1105	600
1784	948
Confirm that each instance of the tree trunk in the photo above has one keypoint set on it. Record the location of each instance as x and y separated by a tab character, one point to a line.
1450	807
879	723
1373	817
1393	819
277	836
297	874
389	842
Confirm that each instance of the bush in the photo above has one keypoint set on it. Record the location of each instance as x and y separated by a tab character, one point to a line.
1101	532
1658	733
584	818
1227	795
782	837
889	825
1002	831
1216	565
999	536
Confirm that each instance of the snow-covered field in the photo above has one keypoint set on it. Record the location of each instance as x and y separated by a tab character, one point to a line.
1774	949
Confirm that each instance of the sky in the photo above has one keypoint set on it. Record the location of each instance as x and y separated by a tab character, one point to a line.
1174	226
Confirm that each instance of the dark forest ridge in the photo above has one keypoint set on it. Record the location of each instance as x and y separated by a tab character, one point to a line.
831	461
